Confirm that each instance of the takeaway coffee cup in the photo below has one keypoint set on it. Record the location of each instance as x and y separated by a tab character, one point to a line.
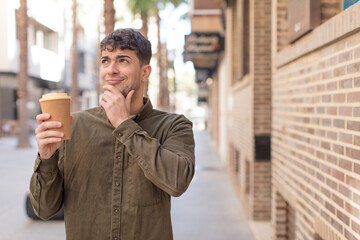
58	106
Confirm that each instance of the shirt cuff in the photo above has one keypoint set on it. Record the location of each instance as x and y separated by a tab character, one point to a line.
47	165
125	130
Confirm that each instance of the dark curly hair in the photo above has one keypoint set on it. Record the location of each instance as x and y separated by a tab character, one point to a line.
128	38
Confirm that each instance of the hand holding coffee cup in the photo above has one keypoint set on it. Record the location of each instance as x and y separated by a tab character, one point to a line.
54	123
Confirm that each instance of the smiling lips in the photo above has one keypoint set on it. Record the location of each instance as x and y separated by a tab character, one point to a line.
114	81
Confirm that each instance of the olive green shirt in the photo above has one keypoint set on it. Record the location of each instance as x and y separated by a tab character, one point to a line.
116	183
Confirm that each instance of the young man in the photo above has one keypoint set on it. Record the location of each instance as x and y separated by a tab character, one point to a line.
124	160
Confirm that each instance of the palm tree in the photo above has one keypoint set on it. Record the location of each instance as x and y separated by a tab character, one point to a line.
74	90
22	92
151	7
144	8
109	15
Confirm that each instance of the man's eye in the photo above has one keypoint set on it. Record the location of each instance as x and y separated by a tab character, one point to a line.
124	60
104	61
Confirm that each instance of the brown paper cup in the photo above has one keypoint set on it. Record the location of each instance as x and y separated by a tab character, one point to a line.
58	106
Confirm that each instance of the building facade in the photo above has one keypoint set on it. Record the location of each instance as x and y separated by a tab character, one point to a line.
284	112
315	126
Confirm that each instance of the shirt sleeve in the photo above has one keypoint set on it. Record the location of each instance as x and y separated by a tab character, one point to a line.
169	165
46	187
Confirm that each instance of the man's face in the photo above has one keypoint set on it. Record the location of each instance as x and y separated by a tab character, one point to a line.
121	68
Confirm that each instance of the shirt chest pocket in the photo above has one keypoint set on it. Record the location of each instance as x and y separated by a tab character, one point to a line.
142	192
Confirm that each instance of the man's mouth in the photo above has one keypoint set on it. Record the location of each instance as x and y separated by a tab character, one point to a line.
114	81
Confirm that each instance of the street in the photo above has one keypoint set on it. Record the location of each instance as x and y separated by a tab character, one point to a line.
209	210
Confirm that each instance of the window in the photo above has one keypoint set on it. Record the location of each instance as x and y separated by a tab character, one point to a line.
81	62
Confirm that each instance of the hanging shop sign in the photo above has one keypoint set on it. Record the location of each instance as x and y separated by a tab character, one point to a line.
203	45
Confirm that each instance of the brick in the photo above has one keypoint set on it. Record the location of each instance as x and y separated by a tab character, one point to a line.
353	97
353	153
338	149
357	82
331	110
331	159
338	200
337	225
345	191
350	236
346	138
332	61
353	125
342	217
346	56
327	98
339	98
353	68
355	226
331	86
352	210
327	75
325	192
332	184
357	140
327	122
353	182
347	83
345	164
345	111
330	207
339	123
357	52
356	198
340	71
338	175
321	110
357	168
356	112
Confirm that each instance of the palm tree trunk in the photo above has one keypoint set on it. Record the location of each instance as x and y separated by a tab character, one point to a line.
74	89
163	95
144	31
109	15
97	65
22	93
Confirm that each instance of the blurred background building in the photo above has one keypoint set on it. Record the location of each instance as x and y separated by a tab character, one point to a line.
49	58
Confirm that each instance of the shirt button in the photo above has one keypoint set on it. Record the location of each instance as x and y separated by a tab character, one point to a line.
120	134
117	184
115	238
116	210
118	157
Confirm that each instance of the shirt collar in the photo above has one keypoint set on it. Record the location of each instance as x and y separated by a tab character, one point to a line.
144	111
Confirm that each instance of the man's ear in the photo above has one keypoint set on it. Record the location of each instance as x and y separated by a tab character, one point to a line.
146	71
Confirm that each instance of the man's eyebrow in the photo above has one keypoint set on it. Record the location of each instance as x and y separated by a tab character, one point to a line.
122	56
117	56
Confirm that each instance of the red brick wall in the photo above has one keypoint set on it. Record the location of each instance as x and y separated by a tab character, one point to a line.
250	112
262	67
316	139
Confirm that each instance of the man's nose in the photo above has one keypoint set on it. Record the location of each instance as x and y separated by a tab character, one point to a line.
113	68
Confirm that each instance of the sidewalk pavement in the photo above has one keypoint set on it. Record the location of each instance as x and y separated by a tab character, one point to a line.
208	210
